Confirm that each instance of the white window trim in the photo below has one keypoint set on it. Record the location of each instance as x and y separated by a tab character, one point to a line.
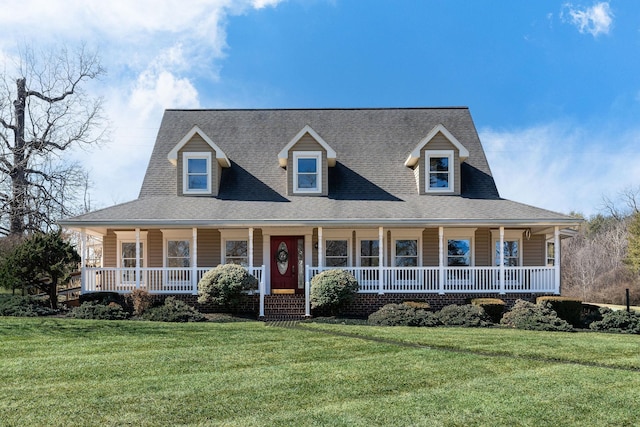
406	234
232	235
185	171
176	235
546	251
337	235
427	171
509	236
317	155
367	235
130	237
460	234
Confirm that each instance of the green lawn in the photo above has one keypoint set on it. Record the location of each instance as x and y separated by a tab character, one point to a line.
72	372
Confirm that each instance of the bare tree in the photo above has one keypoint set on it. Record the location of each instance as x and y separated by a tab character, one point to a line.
44	114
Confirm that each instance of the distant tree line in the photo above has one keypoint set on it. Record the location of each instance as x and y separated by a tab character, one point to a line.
603	259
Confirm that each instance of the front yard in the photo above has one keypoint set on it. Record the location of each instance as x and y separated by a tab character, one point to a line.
77	372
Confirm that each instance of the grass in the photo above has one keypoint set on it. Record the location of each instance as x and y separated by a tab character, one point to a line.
75	372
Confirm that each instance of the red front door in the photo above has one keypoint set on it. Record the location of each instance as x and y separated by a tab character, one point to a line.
287	260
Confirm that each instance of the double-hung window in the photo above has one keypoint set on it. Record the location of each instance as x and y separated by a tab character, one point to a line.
439	176
236	252
369	253
406	253
178	253
307	172
196	173
337	253
512	248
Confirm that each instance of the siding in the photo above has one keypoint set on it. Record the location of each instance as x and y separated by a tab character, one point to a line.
483	247
430	247
209	248
439	142
154	250
307	143
199	145
533	251
109	249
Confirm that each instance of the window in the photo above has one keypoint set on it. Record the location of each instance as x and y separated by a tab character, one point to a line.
236	252
128	254
336	253
458	252
196	173
178	253
551	254
439	177
406	253
511	253
369	253
307	175
512	247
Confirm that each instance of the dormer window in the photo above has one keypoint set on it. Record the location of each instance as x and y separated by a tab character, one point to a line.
440	177
197	173
307	174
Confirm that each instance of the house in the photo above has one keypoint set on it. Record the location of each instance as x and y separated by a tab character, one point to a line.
401	197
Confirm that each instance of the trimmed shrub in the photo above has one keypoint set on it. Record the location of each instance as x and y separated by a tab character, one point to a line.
103	298
141	301
463	315
494	307
402	315
332	289
619	321
534	317
568	309
418	304
24	306
590	313
173	310
97	311
225	284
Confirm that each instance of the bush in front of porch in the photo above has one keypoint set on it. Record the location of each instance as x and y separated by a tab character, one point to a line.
332	289
224	285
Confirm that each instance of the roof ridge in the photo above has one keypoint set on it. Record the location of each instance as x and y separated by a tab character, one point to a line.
322	109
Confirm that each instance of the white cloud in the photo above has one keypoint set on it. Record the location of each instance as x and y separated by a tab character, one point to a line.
562	167
154	53
595	20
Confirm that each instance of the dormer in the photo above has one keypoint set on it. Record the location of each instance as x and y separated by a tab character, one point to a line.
436	162
307	158
199	162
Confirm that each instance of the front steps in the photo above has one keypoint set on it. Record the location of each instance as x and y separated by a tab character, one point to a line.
283	307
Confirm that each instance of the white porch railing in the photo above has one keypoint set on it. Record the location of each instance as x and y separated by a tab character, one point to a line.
160	280
456	279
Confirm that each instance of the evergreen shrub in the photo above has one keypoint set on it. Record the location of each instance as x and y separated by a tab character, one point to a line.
173	310
534	317
569	309
98	311
494	307
225	284
619	321
24	306
332	289
463	315
402	315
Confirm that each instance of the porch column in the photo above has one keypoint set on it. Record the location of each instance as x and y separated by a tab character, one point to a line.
194	261
501	254
380	260
441	273
556	259
251	249
137	258
320	250
83	260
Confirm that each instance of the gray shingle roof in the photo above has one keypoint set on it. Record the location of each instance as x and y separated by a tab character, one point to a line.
368	183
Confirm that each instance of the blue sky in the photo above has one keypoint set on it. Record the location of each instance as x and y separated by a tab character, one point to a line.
553	86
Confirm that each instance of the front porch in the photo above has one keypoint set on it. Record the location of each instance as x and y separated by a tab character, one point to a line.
500	280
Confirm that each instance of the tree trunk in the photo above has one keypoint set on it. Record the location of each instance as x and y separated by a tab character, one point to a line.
18	178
